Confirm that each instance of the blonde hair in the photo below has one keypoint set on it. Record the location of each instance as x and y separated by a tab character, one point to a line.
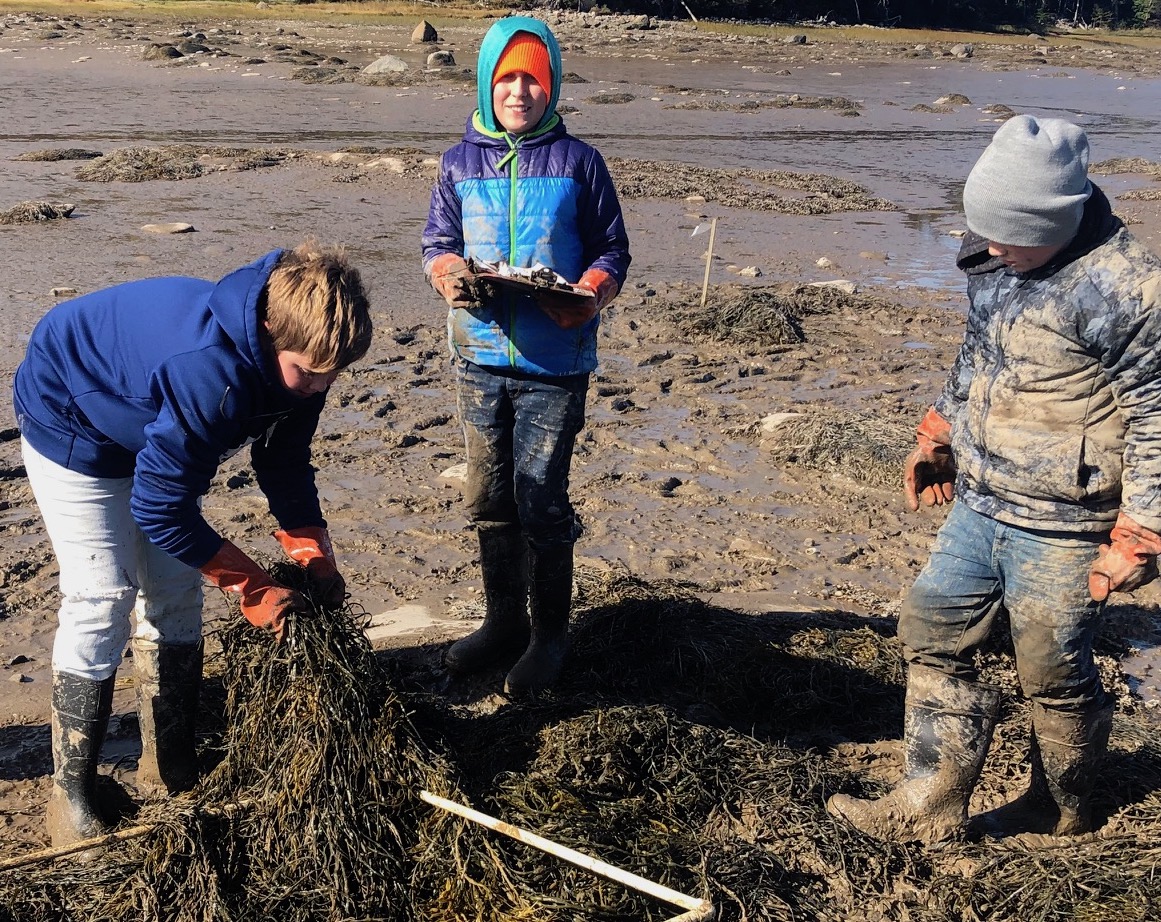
316	306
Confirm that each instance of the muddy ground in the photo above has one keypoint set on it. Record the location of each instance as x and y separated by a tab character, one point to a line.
837	160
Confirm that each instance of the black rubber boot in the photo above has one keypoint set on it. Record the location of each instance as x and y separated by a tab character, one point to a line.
550	600
504	633
80	717
947	728
1065	753
169	681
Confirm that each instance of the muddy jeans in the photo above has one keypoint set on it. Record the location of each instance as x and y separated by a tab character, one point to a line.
978	570
109	572
520	431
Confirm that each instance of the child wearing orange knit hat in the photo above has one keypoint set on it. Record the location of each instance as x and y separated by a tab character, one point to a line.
520	189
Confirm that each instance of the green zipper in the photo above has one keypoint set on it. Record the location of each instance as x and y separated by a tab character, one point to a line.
510	160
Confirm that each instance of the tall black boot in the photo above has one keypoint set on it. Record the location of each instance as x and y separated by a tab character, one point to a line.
505	631
80	717
1065	753
169	681
947	728
550	600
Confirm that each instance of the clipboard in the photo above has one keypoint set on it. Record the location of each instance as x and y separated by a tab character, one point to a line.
536	283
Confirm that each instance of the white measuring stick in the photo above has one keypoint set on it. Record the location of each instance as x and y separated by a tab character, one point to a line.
698	909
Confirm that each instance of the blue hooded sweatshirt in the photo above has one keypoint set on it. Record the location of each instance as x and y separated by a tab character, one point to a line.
162	380
540	197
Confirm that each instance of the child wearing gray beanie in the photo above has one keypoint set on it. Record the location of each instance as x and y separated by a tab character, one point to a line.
1042	445
1029	187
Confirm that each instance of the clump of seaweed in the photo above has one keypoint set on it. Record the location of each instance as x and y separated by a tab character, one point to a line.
140	164
867	449
176	162
1117	165
744	188
35	212
759	316
309	814
756	315
58	153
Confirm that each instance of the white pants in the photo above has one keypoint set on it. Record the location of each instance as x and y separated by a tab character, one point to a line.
109	572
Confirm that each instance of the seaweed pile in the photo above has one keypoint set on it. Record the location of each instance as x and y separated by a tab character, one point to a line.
688	743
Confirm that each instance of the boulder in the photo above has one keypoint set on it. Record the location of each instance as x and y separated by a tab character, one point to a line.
388	64
156	52
424	32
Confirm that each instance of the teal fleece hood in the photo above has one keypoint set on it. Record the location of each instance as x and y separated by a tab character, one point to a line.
495	41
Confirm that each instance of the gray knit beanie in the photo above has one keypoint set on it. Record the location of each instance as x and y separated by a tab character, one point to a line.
1030	185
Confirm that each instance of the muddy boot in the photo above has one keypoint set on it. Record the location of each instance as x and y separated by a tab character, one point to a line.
947	727
1065	753
169	680
504	633
550	599
80	717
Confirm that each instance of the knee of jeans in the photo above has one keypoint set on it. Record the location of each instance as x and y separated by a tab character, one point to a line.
921	634
98	611
93	633
485	507
1054	679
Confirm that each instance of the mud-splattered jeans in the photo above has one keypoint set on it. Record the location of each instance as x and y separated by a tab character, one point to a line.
979	569
519	431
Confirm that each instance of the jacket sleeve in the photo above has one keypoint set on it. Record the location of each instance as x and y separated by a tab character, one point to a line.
444	232
975	260
950	402
1129	339
281	459
191	435
606	244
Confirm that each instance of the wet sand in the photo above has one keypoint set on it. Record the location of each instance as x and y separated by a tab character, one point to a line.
674	475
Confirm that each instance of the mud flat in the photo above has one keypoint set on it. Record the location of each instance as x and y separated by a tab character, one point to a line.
729	470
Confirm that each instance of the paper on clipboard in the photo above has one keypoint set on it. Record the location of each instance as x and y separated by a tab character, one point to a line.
533	281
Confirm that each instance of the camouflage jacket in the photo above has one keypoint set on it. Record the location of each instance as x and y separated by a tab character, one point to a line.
1055	396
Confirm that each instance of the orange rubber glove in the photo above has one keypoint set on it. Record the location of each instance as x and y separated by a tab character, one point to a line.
929	471
450	277
1128	563
567	313
265	604
311	547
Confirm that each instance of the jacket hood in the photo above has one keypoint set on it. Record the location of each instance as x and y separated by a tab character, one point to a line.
245	329
495	41
1097	225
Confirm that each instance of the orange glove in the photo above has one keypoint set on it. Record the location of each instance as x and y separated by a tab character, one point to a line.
311	547
567	313
265	604
1128	563
929	471
451	278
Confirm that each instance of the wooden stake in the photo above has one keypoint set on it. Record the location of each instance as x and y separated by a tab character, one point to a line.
696	909
110	838
59	851
709	258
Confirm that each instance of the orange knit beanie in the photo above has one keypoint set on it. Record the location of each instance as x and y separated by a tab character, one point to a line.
528	53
